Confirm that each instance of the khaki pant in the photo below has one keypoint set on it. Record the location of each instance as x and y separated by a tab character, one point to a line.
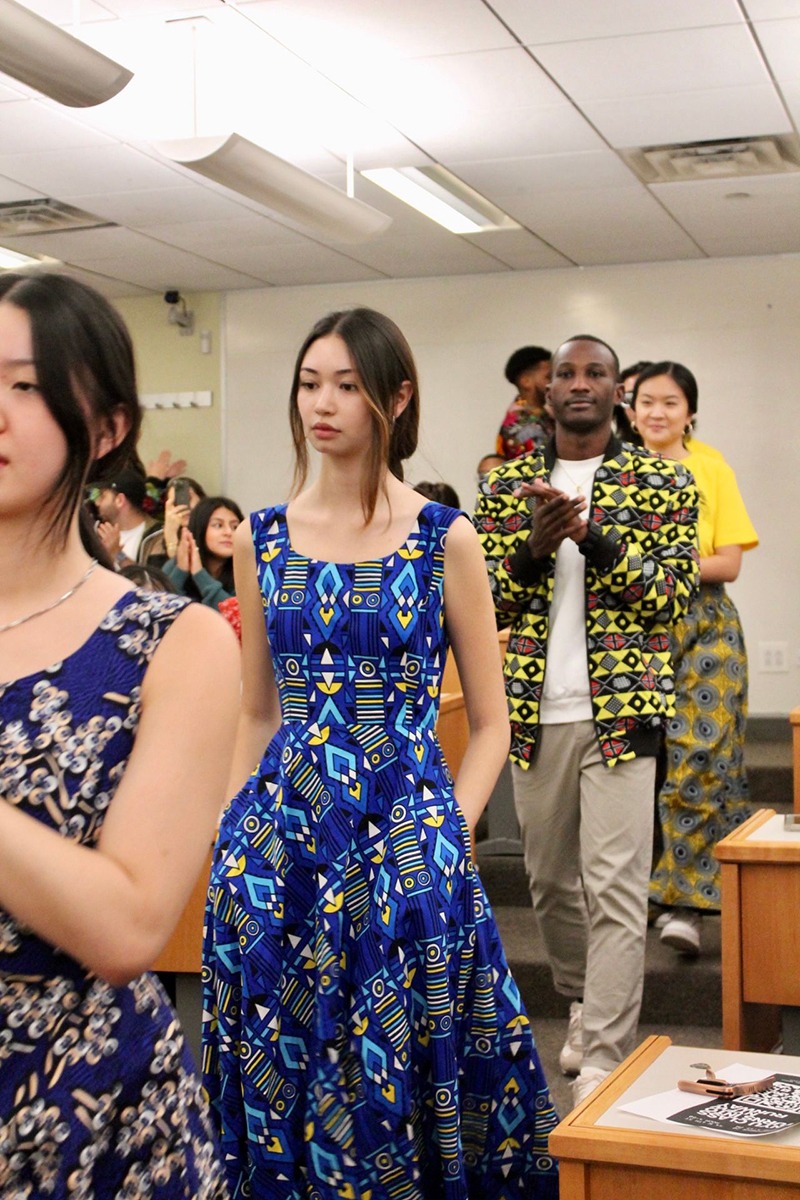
587	836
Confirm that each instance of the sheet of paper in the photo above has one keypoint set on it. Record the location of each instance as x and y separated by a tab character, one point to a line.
771	1111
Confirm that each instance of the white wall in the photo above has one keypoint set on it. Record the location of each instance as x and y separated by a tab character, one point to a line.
734	322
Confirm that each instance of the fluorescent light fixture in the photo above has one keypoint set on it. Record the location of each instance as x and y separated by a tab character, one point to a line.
254	172
10	260
438	194
55	63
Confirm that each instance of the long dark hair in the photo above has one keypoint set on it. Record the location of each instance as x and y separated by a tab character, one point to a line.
85	369
383	361
199	520
678	373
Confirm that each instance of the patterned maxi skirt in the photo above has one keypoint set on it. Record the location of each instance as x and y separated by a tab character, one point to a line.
705	794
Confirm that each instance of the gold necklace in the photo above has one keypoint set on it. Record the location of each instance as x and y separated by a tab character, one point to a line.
49	608
578	486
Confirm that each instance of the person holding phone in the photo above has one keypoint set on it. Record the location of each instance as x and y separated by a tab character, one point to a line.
181	495
363	1034
203	564
107	803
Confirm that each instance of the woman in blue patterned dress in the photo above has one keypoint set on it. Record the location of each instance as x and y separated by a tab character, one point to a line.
111	777
363	1036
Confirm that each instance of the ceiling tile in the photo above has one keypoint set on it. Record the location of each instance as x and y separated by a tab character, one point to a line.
521	133
764	10
11	192
766	222
308	263
536	22
546	173
62	12
408	258
605	226
27	123
216	238
381	28
518	249
112	168
690	116
781	43
163	206
616	68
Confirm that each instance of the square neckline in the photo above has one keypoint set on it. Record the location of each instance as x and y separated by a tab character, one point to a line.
361	562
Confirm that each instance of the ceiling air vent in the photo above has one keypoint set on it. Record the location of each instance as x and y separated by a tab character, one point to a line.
21	217
737	158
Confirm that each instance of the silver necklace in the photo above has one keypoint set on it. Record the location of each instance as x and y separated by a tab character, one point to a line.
41	611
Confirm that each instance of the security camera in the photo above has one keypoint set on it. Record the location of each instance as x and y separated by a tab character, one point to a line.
178	313
172	297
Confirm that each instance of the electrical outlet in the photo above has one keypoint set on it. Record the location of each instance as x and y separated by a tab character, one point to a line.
773	657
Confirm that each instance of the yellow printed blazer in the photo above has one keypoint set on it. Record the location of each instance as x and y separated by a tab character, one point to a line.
641	574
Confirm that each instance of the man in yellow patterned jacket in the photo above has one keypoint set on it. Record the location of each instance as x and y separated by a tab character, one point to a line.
592	553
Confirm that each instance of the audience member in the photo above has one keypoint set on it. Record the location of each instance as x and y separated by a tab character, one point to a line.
180	497
352	967
705	793
203	565
624	427
591	552
441	492
148	577
487	464
526	425
123	521
107	802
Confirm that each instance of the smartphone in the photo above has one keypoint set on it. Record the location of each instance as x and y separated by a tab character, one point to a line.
181	492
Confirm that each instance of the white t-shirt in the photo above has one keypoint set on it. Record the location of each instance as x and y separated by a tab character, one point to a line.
130	540
566	695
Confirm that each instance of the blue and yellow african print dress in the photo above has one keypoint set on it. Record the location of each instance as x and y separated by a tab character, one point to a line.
364	1038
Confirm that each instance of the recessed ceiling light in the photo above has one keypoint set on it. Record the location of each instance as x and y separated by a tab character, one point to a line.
439	195
11	260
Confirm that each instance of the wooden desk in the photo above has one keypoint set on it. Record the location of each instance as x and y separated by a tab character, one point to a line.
794	720
760	933
609	1155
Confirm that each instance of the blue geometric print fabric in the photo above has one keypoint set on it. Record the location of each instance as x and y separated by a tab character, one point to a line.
363	1036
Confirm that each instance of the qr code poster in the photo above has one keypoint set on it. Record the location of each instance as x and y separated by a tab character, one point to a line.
771	1111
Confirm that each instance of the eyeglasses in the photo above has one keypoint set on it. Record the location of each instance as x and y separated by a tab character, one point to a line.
720	1088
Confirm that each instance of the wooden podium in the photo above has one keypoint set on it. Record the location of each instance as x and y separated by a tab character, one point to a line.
607	1154
760	931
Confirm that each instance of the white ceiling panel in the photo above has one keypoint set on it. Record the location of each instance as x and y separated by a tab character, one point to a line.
27	122
765	10
112	168
690	116
217	238
518	249
172	206
547	173
521	133
763	217
539	21
647	64
408	82
317	29
605	226
781	43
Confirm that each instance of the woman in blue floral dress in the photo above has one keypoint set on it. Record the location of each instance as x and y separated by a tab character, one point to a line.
108	793
363	1036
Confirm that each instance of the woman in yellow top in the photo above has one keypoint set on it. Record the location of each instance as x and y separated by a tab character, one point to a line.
705	792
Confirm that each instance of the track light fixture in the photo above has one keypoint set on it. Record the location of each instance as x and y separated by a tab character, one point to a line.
244	167
55	63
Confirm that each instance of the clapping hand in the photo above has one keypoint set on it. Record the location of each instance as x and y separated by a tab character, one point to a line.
554	517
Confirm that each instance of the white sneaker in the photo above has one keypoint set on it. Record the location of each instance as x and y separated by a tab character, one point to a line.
571	1055
682	931
589	1079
